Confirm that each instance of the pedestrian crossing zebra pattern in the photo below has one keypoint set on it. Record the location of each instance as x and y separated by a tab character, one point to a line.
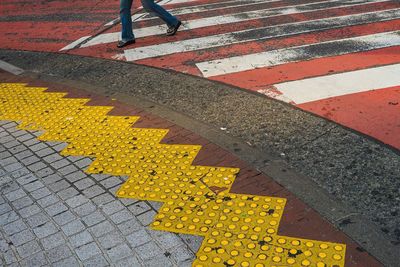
320	55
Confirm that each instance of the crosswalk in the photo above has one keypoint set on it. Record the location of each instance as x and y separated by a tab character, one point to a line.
298	51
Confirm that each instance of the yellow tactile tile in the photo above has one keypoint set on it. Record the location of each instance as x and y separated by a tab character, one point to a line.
239	230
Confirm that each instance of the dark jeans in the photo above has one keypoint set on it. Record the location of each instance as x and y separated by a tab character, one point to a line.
150	6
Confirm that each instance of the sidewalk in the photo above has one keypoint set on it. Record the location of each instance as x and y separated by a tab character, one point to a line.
90	202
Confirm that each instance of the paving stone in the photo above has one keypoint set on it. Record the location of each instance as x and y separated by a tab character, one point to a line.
119	252
121	216
100	177
93	218
56	208
139	207
17	149
40	193
64	218
67	193
102	228
11	144
14	227
44	230
148	251
80	239
28	249
59	147
30	187
30	160
155	205
97	261
26	136
58	186
8	185
37	219
45	152
18	132
84	183
29	211
14	195
147	217
37	166
38	146
75	176
110	240
4	208
67	169
4	154
103	199
29	178
47	201
31	142
22	202
60	163
52	178
130	261
77	201
129	227
139	238
20	173
24	154
36	260
182	255
83	163
87	251
52	158
44	172
192	241
22	237
13	167
73	227
160	261
60	252
53	241
68	262
167	240
9	257
112	207
85	209
93	191
111	182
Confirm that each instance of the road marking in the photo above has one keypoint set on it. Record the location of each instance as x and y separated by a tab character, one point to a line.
196	199
231	18
10	68
254	34
317	88
299	53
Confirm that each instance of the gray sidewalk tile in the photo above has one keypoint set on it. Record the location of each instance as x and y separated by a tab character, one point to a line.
80	239
148	251
37	219
110	240
14	227
112	207
56	209
130	261
97	261
60	252
139	207
44	230
147	217
85	209
119	252
28	249
121	216
64	218
102	228
68	262
36	260
93	191
14	195
93	218
139	238
22	237
53	241
73	228
87	251
29	211
40	193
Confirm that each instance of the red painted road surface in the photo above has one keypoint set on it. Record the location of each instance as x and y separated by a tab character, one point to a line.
339	59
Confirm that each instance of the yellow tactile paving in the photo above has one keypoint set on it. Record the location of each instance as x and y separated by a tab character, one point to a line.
239	230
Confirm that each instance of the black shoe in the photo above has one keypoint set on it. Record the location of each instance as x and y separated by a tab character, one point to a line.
173	29
125	43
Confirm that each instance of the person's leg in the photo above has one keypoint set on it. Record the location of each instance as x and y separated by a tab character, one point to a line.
150	6
126	20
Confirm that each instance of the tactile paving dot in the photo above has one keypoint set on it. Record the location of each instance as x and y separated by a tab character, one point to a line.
239	230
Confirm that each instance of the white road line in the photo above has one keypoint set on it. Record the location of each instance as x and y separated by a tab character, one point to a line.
10	68
299	53
75	43
231	18
203	8
307	90
257	34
